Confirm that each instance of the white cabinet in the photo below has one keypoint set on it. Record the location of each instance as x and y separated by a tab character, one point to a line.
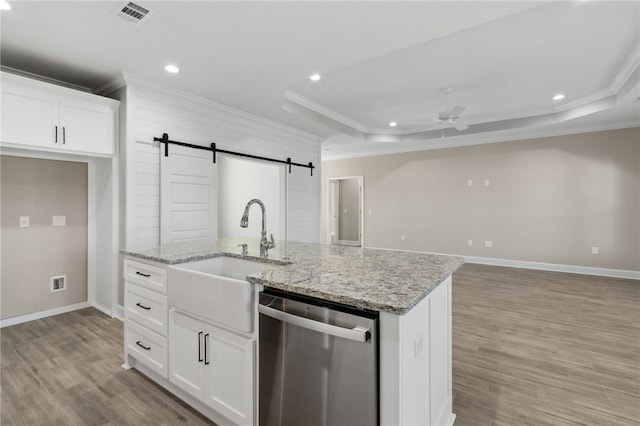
214	365
43	116
146	314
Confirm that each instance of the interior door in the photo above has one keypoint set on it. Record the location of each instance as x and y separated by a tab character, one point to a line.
188	193
186	353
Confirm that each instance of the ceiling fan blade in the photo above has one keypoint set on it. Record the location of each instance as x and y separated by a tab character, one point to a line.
456	110
460	126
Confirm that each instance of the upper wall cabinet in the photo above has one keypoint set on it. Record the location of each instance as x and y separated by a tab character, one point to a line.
43	116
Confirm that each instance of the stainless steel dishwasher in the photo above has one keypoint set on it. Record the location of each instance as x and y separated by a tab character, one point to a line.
318	363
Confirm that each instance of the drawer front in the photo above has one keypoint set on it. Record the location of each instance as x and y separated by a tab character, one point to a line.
147	347
149	276
146	307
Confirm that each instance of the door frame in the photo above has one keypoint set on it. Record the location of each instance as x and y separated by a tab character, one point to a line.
331	225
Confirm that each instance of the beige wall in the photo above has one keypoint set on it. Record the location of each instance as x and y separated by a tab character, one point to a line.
549	200
41	189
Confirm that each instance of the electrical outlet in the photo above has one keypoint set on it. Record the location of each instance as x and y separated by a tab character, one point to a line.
470	243
402	237
488	243
58	283
24	221
595	250
469	182
369	211
487	182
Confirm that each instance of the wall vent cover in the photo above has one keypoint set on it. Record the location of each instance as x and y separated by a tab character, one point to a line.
58	283
131	12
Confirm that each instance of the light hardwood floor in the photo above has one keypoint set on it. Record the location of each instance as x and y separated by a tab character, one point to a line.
545	348
529	348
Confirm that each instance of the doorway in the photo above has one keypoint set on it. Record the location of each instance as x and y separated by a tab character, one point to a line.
346	206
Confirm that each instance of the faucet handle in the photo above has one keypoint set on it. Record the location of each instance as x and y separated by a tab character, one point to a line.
272	243
244	249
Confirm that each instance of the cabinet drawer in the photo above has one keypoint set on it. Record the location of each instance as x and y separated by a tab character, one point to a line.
146	275
147	347
146	307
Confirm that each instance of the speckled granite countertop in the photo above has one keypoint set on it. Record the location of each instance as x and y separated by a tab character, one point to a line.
381	280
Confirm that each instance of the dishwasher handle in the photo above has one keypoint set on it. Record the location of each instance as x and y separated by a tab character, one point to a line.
357	333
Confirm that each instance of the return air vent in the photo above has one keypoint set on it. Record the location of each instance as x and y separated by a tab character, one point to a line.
131	12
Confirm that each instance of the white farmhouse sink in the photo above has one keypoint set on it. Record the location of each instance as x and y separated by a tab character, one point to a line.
216	289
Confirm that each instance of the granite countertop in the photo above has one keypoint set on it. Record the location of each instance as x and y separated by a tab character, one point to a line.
380	280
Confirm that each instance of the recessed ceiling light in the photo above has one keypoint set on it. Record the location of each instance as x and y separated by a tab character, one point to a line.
4	5
393	124
314	77
558	97
172	69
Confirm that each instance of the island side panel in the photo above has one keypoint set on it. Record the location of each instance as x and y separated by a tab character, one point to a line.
415	363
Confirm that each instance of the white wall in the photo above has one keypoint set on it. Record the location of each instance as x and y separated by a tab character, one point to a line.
240	180
154	110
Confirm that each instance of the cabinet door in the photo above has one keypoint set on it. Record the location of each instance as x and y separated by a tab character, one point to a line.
29	117
186	354
87	127
231	375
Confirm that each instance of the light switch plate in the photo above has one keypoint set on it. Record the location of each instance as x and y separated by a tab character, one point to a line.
24	221
59	221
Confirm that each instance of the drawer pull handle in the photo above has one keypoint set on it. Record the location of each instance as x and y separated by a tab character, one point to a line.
56	134
206	362
146	308
200	359
141	274
143	346
64	135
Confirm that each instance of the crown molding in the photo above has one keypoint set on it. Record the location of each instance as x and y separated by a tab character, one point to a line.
307	103
487	138
43	79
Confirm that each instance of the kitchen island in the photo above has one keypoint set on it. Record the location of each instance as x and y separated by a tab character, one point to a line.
411	292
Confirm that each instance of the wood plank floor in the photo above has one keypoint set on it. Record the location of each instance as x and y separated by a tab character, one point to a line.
529	348
545	348
66	370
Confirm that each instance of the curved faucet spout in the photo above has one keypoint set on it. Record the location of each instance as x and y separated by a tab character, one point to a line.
265	245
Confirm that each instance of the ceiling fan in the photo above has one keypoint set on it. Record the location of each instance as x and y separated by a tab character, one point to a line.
450	117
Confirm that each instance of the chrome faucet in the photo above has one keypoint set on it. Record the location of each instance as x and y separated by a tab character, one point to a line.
265	245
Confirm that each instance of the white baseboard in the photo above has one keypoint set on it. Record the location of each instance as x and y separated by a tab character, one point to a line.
119	314
103	309
43	314
573	269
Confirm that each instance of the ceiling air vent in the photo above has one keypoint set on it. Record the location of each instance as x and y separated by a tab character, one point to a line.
132	12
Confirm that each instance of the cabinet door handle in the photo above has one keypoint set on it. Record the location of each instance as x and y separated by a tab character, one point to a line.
206	362
143	346
143	275
200	359
64	135
146	308
56	135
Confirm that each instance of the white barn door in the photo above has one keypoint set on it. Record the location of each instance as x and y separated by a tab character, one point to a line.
188	187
